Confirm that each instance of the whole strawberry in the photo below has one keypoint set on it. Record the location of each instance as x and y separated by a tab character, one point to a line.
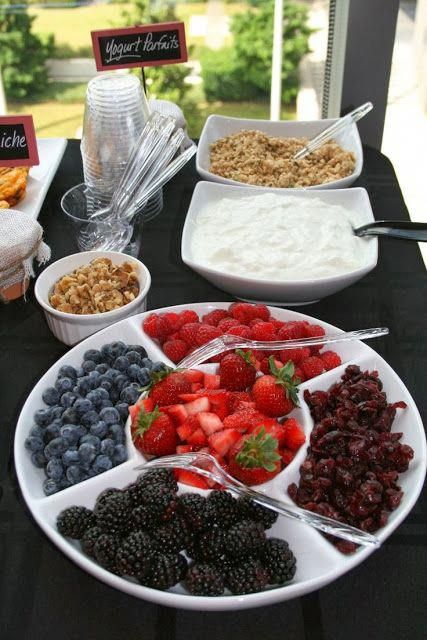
237	371
154	433
255	459
166	386
276	394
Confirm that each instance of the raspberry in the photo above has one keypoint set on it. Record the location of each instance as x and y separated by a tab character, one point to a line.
265	365
296	355
261	311
187	316
314	330
205	333
298	376
242	311
312	367
225	324
157	326
214	317
240	330
330	360
175	350
173	319
255	321
292	330
264	331
188	333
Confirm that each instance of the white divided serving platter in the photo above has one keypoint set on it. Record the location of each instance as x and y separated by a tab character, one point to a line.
318	562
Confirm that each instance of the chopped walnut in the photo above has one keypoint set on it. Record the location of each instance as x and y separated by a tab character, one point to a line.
96	288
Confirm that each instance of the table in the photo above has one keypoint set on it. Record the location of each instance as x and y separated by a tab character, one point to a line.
44	595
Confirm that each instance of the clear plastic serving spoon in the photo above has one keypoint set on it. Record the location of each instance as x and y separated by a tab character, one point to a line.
403	229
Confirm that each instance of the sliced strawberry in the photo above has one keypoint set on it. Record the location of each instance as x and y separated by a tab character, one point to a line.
197	438
209	422
220	403
184	448
294	434
134	409
196	386
189	477
211	381
222	441
199	404
177	412
194	375
188	427
189	397
147	403
287	456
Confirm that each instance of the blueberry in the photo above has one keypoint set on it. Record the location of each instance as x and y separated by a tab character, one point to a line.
64	384
105	384
51	432
80	372
134	357
94	379
133	371
55	447
117	349
120	382
102	463
43	417
64	483
146	362
33	444
81	430
50	486
68	398
120	454
70	416
143	376
122	408
69	457
87	453
99	429
138	348
93	354
67	371
57	411
50	396
121	363
95	397
54	469
38	459
74	474
93	440
71	434
106	352
129	395
102	368
37	432
82	405
117	433
104	394
114	395
105	403
83	386
89	418
107	447
110	415
88	365
158	366
111	374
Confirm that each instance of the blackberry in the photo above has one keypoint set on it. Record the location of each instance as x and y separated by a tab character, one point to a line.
89	538
160	502
135	491
114	514
105	549
279	560
244	538
74	521
204	580
247	577
211	545
172	536
166	571
104	495
196	511
251	510
191	545
225	511
135	554
163	477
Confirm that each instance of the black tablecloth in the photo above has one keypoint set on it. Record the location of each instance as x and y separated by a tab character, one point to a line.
45	596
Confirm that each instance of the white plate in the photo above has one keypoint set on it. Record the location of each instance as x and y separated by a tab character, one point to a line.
40	177
318	562
217	127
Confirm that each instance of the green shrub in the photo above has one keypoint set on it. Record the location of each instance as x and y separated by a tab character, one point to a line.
244	71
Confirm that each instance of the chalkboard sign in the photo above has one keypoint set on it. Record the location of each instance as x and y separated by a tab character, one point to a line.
18	147
144	46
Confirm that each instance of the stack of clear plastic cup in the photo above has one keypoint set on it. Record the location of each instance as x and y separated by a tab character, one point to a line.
116	110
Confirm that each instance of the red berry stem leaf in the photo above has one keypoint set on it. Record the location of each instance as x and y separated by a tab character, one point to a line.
284	377
144	421
158	376
259	451
247	356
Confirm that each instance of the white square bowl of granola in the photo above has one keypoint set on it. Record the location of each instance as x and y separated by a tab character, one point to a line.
247	152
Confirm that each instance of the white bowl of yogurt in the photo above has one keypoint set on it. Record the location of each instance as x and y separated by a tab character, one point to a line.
278	247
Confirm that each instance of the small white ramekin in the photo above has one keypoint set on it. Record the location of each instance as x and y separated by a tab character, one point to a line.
70	328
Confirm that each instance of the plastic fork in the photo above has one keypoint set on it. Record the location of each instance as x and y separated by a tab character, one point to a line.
228	341
206	465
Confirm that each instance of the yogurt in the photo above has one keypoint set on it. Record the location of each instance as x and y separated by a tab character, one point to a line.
278	238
